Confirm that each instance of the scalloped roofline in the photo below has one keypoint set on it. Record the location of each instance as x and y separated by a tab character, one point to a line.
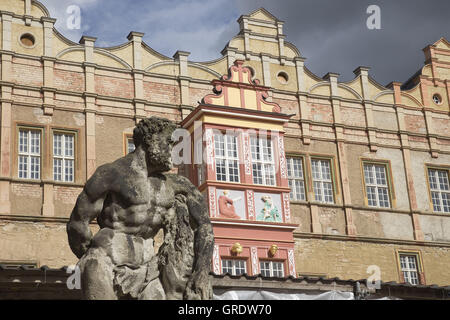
41	6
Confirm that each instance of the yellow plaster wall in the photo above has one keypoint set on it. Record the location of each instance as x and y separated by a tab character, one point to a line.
58	45
410	101
291	85
264	46
415	92
334	258
171	70
264	30
220	66
37	12
260	15
16	6
323	90
257	67
76	56
444	73
355	84
17	30
125	53
198	73
104	60
148	58
238	43
290	53
444	106
386	98
443	57
373	89
346	93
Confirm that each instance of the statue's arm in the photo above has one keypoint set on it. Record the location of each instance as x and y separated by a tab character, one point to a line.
89	204
199	285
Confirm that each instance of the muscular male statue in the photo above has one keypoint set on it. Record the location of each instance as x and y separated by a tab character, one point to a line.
132	199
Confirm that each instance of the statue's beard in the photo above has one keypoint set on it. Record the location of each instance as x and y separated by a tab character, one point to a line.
160	162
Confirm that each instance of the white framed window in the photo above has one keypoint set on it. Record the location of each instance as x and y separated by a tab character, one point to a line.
226	157
63	156
29	156
409	268
263	163
322	180
271	269
377	185
439	189
130	145
296	178
234	267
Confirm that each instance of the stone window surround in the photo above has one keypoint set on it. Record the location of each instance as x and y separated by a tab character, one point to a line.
419	262
389	177
307	173
302	159
435	167
46	152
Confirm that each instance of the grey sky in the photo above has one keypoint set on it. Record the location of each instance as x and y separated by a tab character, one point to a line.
331	34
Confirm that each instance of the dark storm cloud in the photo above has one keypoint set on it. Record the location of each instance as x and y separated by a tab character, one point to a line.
333	36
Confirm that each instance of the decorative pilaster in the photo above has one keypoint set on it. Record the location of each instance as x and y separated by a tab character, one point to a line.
341	151
184	80
291	263
418	233
48	24
6	30
265	60
363	73
216	260
254	258
89	98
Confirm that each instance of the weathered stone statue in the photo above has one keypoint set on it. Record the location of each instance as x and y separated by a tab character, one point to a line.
132	199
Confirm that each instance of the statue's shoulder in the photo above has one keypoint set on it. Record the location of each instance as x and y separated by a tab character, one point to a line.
105	175
179	182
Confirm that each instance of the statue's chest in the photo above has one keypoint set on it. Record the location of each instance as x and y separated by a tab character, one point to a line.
151	192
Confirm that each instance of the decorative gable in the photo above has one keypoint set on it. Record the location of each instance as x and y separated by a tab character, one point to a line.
237	89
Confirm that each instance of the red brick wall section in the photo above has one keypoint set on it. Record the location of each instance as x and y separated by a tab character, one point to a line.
415	123
196	95
26	190
321	113
288	107
68	80
114	87
27	72
161	92
67	195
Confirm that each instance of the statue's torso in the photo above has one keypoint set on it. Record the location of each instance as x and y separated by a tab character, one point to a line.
138	205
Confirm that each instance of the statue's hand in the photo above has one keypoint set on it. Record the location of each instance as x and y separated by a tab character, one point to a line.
199	287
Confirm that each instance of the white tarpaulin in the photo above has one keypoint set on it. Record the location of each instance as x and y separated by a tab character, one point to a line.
267	295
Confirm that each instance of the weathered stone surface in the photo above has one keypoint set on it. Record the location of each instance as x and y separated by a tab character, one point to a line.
132	199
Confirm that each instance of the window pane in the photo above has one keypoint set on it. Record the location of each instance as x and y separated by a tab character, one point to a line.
57	145
57	169
68	170
68	145
130	145
23	167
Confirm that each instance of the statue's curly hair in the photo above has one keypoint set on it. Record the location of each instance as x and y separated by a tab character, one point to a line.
146	128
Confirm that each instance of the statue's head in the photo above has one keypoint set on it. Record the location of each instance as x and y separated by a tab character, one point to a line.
154	134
